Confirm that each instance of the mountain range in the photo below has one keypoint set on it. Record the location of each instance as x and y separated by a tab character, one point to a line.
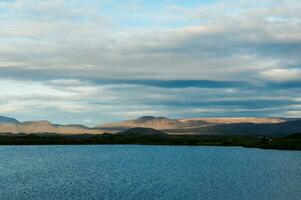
191	126
160	123
10	125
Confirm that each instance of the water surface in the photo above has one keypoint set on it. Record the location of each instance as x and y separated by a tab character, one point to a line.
148	172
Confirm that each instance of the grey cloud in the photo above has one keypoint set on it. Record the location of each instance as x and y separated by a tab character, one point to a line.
222	55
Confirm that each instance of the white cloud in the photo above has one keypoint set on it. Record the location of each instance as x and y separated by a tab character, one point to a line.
64	42
282	74
88	121
294	113
25	88
53	53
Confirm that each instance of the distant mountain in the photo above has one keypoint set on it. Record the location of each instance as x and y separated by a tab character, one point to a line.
235	120
9	120
151	124
212	126
30	127
138	131
162	123
159	123
283	128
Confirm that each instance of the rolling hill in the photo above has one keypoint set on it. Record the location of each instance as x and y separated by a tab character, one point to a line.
30	127
189	126
235	120
212	126
160	123
281	129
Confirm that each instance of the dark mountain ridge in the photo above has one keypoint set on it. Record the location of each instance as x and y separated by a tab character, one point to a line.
152	125
280	129
138	131
8	120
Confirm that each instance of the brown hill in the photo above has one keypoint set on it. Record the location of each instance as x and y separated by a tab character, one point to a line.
235	120
211	126
284	128
162	123
30	127
159	123
205	126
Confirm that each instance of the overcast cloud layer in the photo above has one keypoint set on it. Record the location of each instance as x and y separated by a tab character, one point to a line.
99	61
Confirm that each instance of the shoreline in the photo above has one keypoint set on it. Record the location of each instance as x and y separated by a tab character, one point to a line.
292	142
278	149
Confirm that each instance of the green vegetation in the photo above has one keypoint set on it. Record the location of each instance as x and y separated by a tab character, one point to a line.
292	142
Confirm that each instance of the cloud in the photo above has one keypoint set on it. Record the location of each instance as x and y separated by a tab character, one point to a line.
89	47
225	57
282	75
73	101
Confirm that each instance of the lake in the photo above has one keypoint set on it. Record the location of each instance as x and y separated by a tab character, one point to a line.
148	172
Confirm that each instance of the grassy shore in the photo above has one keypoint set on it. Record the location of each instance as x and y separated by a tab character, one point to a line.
292	142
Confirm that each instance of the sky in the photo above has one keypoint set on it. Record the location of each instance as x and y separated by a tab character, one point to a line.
97	61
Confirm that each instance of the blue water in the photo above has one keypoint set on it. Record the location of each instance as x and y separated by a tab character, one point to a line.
148	172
